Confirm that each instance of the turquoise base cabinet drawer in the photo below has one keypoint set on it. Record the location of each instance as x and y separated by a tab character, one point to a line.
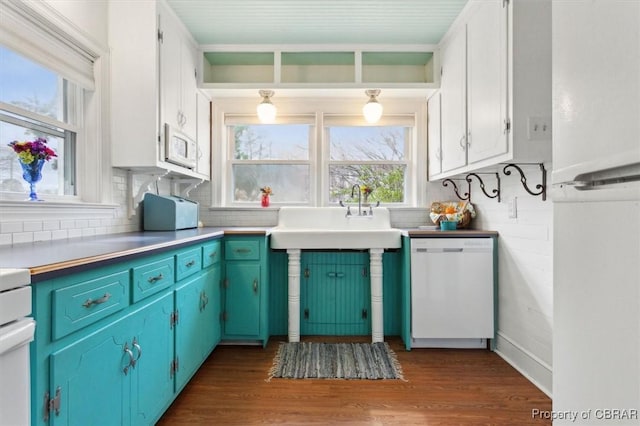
242	249
88	301
211	254
153	277
188	263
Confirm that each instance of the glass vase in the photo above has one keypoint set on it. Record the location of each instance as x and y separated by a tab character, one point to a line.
265	201
32	173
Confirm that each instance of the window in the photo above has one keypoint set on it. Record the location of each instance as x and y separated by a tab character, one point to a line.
373	157
36	102
316	159
274	155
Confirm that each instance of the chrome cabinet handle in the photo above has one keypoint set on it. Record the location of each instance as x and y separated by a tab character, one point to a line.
190	264
214	254
255	286
90	302
155	279
242	250
462	142
136	345
132	360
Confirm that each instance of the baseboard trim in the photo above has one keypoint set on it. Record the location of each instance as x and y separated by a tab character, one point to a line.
530	366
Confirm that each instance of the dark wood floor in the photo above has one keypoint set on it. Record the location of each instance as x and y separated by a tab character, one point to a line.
443	387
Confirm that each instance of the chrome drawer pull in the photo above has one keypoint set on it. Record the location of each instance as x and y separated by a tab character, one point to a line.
155	279
214	254
190	264
89	302
243	250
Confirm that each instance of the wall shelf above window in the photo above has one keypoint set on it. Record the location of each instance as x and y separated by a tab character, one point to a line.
321	67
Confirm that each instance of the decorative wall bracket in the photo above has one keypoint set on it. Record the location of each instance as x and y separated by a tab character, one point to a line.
466	196
468	179
135	200
184	193
541	187
495	192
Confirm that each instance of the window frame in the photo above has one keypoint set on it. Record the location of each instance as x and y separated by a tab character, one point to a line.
230	161
56	43
323	109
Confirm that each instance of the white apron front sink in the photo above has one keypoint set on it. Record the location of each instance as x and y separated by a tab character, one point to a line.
305	228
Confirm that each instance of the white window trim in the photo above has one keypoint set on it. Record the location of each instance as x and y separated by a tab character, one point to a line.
322	108
38	31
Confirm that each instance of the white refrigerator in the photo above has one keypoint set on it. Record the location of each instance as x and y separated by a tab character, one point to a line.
596	213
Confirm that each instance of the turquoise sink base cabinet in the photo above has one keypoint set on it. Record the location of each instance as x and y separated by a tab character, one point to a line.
114	345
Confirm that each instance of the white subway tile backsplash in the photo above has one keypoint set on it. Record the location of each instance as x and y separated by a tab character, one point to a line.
32	226
67	224
82	223
22	237
59	234
10	227
50	225
42	236
6	239
73	233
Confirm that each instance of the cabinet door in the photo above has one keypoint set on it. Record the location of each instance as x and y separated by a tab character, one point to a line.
151	338
453	102
487	81
242	299
188	87
98	362
212	289
189	331
433	132
203	135
170	56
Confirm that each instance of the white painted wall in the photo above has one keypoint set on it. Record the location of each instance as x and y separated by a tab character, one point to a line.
525	271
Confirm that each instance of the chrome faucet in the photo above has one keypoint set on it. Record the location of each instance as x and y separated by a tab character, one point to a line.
353	188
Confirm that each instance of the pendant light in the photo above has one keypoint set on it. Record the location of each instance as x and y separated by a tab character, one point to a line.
266	110
372	110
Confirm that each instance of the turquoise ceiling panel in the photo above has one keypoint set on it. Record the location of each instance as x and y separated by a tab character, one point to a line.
317	21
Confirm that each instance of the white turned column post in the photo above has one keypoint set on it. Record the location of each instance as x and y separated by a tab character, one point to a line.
294	294
377	318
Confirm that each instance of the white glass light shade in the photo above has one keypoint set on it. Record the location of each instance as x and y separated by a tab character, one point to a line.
266	110
372	110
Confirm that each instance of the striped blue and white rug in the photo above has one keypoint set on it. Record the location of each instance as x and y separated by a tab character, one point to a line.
313	360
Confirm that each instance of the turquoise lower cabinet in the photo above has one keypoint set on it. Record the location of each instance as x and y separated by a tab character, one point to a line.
335	293
197	321
150	340
117	375
245	289
115	344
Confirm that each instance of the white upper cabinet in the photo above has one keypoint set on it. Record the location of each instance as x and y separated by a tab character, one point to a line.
486	82
453	102
433	135
496	86
154	82
203	134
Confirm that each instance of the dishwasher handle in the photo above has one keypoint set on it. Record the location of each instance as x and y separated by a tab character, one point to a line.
440	250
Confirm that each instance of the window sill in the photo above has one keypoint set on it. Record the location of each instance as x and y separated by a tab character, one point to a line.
13	210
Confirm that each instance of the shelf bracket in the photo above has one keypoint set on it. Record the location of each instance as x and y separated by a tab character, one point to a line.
541	187
495	192
193	184
135	200
466	196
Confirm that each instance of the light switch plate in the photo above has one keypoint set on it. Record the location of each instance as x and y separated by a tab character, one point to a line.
539	128
513	208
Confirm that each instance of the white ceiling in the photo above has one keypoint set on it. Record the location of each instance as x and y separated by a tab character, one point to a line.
317	21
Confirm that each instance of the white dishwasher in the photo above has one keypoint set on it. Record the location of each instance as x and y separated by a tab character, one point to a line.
452	292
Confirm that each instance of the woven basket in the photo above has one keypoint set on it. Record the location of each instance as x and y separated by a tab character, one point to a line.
465	212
